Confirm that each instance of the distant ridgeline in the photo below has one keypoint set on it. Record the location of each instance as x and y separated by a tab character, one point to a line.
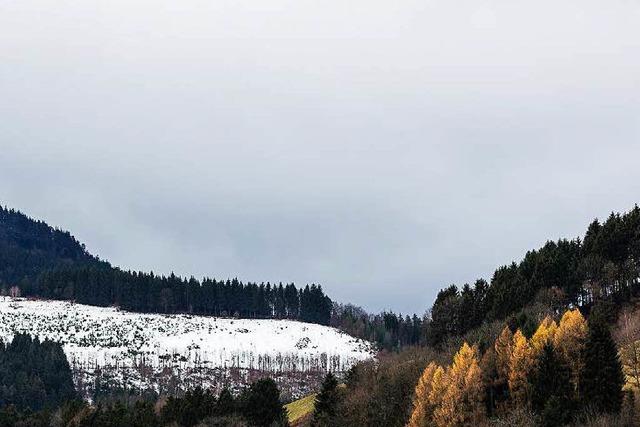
604	267
37	260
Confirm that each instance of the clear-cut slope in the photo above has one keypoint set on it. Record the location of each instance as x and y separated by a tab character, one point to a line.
135	349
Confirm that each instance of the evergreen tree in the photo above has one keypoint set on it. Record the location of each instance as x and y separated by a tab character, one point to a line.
326	403
602	378
34	375
551	388
262	406
225	404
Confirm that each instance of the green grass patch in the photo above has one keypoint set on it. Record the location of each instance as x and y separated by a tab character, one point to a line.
301	408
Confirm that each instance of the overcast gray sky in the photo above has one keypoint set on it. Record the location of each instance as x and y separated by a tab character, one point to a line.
384	149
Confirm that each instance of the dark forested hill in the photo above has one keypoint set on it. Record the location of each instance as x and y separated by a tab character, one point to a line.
28	247
602	267
40	261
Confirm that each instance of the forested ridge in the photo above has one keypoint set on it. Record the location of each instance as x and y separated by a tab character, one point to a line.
37	260
602	266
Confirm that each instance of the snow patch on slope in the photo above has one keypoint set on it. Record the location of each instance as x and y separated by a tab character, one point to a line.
99	338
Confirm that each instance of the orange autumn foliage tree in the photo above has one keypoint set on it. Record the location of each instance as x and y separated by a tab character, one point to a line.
438	389
569	341
422	405
544	335
504	348
451	397
454	396
521	365
462	403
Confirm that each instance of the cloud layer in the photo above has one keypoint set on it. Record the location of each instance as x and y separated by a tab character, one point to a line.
383	149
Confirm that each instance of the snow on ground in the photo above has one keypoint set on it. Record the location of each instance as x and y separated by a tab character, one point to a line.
105	338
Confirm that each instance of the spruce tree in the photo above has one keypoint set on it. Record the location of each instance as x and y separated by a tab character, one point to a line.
225	404
262	406
326	403
552	389
602	377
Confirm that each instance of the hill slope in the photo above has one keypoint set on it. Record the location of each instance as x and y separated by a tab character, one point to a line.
28	247
120	349
37	260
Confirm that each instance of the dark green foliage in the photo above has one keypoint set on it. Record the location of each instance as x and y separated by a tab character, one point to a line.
34	375
525	323
190	409
552	391
226	404
47	263
603	268
28	247
388	330
143	414
326	403
11	417
261	405
158	294
602	378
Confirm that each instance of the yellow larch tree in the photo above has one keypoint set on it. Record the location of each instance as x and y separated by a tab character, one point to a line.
520	366
503	348
544	335
569	341
630	359
627	335
439	386
422	406
462	402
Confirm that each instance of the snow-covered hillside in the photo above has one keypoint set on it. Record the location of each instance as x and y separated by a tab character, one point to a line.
151	350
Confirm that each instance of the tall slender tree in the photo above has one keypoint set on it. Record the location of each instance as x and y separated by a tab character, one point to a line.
569	341
326	403
602	378
422	405
520	367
